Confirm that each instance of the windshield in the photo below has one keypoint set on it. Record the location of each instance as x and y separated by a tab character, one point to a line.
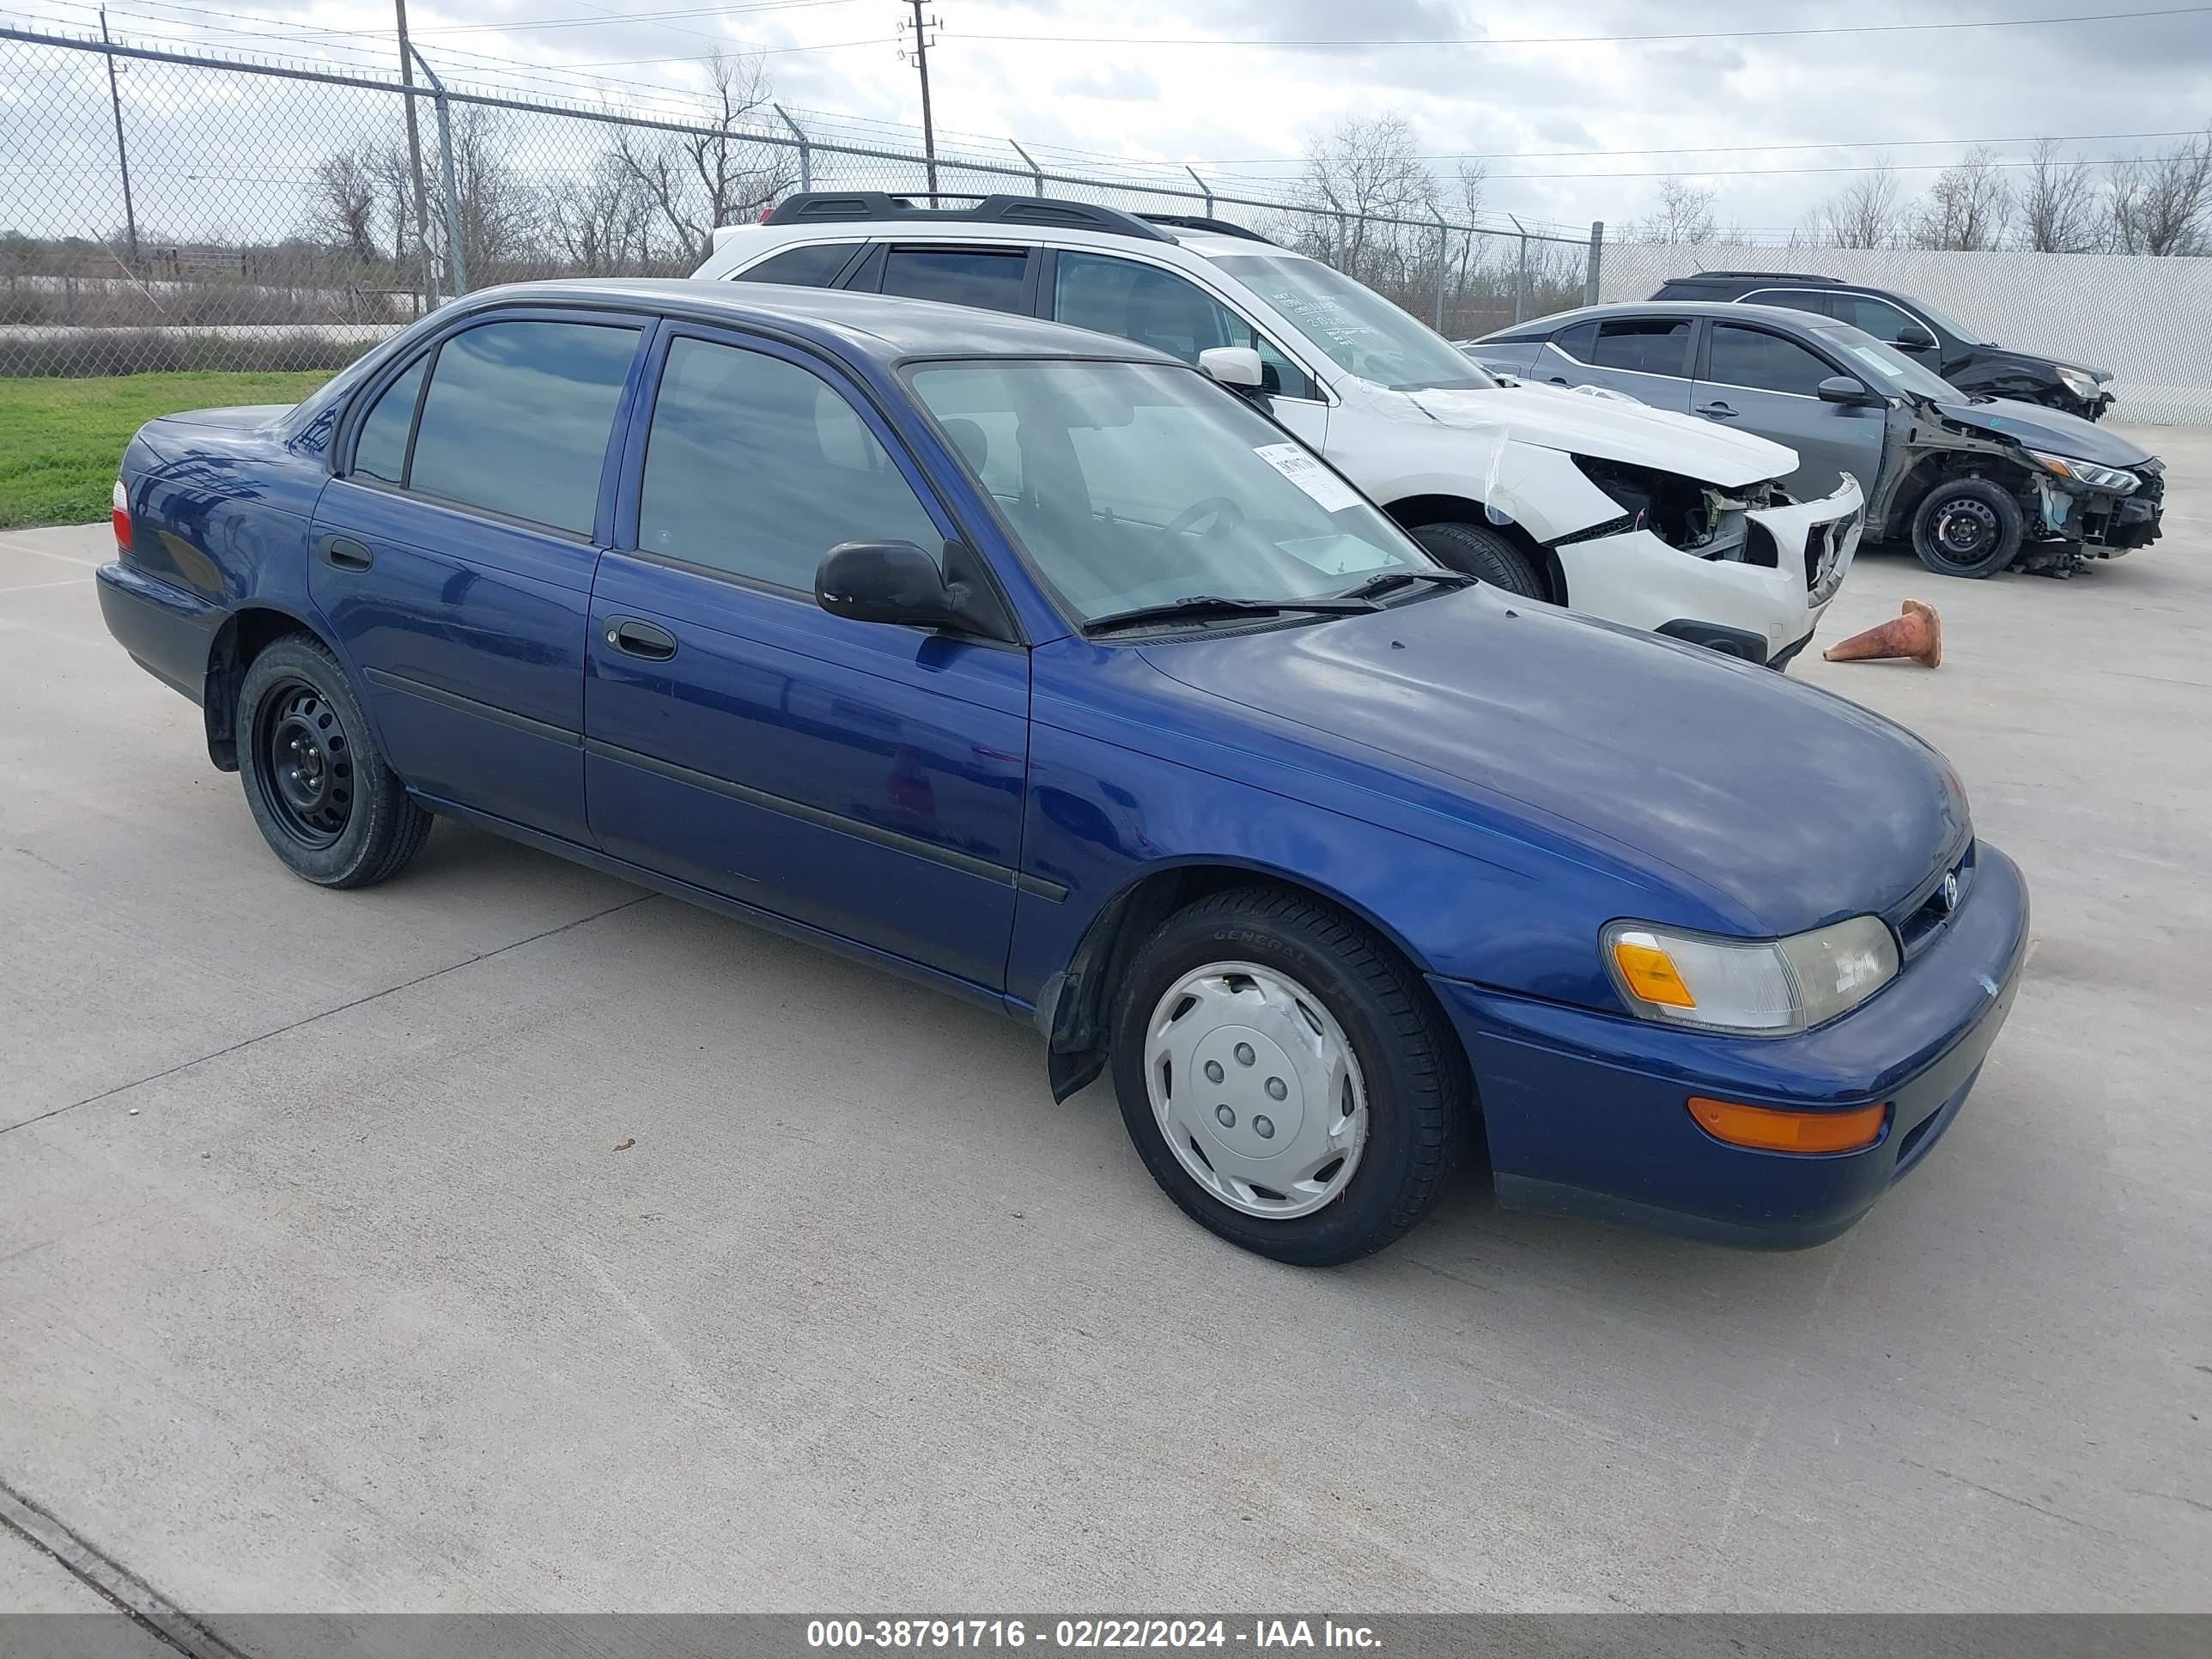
1134	484
1890	369
1952	326
1362	332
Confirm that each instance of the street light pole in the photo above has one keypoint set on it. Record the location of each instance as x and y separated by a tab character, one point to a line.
122	150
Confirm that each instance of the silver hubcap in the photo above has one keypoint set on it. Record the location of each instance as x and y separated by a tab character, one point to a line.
1254	1086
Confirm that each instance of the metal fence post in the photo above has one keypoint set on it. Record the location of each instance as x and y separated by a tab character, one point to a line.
1036	172
1521	272
1205	187
1443	258
1343	248
1596	261
457	262
806	149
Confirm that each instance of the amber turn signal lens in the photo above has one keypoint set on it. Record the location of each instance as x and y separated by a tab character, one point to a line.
1652	974
1767	1130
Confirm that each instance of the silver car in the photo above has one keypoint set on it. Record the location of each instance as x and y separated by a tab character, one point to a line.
1978	484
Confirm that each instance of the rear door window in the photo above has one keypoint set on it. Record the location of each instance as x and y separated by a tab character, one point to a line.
1646	346
1765	362
993	279
380	451
814	265
1795	299
517	419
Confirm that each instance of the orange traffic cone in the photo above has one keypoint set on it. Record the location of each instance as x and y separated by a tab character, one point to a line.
1917	634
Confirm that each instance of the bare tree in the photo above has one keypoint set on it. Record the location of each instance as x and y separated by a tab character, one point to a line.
2163	206
1368	169
497	209
2059	212
1685	215
345	193
602	226
697	181
1869	212
1968	207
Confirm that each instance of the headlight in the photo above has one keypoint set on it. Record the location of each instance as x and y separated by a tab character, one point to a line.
2079	381
1770	986
2087	472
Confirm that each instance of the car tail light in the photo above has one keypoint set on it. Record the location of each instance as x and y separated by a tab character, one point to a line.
120	515
1767	1130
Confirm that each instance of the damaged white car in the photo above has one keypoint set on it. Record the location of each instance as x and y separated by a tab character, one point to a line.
1639	516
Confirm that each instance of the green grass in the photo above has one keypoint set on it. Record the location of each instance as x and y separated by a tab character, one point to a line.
60	439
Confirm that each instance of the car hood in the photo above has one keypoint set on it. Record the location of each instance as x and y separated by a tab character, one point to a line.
1990	356
1780	805
2050	429
1607	429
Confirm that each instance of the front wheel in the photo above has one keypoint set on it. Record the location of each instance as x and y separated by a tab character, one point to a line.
318	788
1285	1076
1482	553
1967	527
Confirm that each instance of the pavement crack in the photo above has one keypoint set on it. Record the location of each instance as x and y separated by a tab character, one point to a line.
131	1596
309	1019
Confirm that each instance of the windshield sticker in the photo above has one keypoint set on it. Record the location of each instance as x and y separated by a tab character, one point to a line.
1309	475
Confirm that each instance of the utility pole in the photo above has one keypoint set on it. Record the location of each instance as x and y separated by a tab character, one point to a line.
921	28
415	155
122	151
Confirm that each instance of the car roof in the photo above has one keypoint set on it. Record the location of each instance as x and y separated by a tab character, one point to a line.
741	240
884	328
1726	311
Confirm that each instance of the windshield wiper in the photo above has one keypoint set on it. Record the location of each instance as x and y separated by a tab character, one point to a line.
1197	607
1384	580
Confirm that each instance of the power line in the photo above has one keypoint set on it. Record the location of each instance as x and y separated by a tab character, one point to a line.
1585	39
1738	149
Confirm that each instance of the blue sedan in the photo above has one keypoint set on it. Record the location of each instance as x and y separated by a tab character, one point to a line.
1038	666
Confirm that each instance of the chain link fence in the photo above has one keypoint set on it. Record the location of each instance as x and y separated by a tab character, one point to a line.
162	210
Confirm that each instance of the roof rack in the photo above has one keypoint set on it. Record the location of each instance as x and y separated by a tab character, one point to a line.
1802	276
823	207
1200	221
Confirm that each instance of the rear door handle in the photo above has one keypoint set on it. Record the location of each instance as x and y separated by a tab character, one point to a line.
1558	380
639	639
1715	411
348	554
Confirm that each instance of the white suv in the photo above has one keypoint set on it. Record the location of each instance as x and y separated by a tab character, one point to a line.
1638	515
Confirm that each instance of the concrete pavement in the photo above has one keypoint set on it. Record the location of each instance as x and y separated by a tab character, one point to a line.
324	1286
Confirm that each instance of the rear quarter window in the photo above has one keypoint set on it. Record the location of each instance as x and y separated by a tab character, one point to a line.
815	265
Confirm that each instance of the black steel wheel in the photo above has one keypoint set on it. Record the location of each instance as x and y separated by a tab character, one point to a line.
306	774
1967	527
315	782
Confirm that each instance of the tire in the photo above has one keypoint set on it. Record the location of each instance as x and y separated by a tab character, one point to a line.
332	811
1484	554
1348	991
1963	508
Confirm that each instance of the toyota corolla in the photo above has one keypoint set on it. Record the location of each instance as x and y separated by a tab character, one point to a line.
1033	663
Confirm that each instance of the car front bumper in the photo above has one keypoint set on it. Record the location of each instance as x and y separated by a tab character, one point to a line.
1747	606
1587	1113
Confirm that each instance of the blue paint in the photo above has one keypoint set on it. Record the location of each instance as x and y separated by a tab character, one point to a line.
1488	783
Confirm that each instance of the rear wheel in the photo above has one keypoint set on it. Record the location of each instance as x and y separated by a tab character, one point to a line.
318	788
1967	527
1285	1078
1482	553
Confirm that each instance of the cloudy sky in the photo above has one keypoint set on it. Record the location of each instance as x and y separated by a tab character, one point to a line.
1570	131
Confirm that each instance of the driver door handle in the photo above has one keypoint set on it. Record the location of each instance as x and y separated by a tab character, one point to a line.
1715	411
639	639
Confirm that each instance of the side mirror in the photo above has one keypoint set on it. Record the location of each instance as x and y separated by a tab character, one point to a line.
1237	368
1843	389
898	582
1913	338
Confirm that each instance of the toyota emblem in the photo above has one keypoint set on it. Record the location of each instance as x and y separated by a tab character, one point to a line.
1950	892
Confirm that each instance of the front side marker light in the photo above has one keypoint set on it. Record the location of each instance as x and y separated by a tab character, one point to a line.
1765	1129
1650	972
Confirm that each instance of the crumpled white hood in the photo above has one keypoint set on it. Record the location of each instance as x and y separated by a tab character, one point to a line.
1605	428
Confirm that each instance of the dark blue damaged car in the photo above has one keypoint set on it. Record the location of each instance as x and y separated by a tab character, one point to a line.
1037	665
